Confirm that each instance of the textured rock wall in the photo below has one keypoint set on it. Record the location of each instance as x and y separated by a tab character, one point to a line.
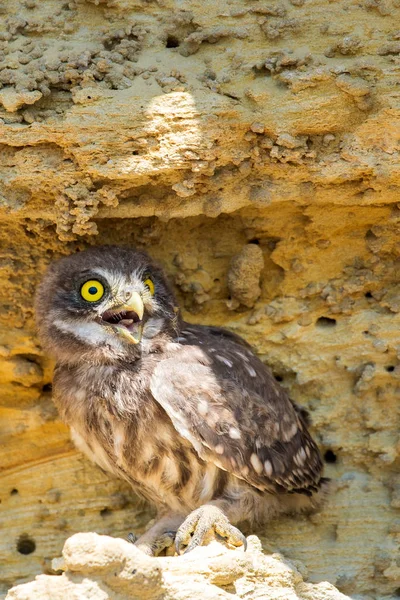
201	131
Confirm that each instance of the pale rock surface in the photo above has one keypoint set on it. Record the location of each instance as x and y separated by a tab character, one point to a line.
105	568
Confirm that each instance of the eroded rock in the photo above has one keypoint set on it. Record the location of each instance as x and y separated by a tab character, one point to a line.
112	569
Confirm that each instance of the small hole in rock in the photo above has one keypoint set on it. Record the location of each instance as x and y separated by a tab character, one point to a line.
278	378
105	512
390	368
14	492
325	322
330	456
368	295
255	241
135	153
26	545
172	42
47	387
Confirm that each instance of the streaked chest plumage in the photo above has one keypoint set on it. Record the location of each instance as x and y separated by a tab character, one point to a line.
116	422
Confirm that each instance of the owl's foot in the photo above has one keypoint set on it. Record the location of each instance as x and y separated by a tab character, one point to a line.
156	545
196	526
160	536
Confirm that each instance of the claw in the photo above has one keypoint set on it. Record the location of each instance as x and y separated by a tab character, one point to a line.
196	526
154	547
240	535
178	544
131	537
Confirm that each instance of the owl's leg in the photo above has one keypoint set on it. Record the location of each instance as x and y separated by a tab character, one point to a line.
160	536
194	529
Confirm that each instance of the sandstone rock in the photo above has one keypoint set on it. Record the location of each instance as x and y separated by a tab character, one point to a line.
244	275
107	568
192	132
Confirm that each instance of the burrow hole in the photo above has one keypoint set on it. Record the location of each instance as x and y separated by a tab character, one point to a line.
325	322
172	42
330	457
25	544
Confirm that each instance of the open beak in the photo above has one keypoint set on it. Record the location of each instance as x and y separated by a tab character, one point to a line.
126	319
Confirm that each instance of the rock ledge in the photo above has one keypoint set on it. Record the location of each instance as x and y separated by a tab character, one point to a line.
105	568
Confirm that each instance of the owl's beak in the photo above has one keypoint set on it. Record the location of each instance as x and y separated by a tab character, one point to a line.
126	319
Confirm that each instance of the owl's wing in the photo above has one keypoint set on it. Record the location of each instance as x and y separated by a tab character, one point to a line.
222	399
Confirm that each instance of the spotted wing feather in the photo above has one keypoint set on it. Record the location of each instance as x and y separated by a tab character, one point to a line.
224	400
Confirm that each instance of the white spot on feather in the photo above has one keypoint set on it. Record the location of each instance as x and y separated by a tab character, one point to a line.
288	434
234	433
251	371
256	463
243	356
219	449
300	457
268	468
224	360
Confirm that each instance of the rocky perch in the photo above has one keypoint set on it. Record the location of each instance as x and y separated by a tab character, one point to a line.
101	568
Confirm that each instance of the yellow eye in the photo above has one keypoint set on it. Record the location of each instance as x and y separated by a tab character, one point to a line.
150	285
92	290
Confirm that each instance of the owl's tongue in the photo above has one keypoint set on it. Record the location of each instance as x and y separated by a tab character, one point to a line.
126	322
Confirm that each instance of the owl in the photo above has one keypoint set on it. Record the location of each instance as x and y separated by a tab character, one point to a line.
186	414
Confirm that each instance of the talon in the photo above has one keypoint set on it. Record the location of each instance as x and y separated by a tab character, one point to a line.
131	537
196	526
156	545
179	544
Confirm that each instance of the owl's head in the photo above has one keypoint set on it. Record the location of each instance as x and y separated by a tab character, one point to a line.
105	304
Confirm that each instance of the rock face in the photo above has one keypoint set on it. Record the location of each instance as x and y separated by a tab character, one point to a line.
197	130
106	568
